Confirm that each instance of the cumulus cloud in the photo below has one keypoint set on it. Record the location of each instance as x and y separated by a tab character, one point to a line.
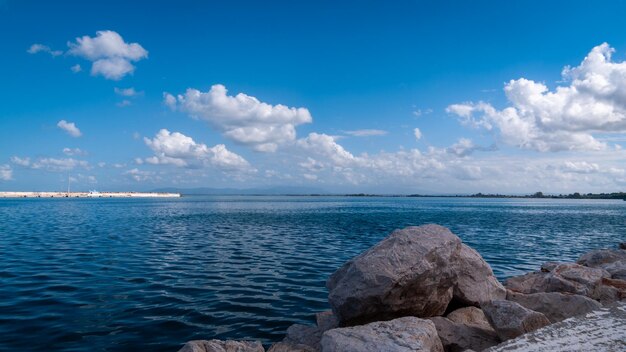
366	133
565	118
6	173
581	167
175	148
70	128
40	48
110	55
76	68
417	133
242	118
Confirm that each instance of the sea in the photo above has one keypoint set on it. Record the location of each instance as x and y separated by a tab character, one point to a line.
150	274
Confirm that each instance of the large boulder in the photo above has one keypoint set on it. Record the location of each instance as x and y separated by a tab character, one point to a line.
555	306
511	320
222	346
456	337
290	347
470	316
475	282
405	334
415	271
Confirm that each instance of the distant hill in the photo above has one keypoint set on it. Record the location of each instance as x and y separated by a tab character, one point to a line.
245	191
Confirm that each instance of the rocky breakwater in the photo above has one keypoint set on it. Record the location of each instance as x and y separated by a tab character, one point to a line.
422	289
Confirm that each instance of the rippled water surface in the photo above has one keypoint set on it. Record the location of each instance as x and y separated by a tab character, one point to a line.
124	274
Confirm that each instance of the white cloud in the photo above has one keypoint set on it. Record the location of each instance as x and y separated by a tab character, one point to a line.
581	167
110	55
76	68
420	112
366	133
177	149
126	92
74	152
417	133
242	118
140	175
70	128
565	118
50	164
124	103
465	147
6	173
40	48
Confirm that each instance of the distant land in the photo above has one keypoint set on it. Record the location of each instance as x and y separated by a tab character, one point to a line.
308	191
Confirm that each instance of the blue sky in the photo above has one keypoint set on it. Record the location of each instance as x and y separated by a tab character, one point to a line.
332	95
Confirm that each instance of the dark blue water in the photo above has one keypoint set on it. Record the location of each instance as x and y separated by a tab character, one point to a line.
122	274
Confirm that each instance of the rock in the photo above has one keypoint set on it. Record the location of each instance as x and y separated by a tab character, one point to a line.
222	346
288	347
601	257
549	266
475	282
470	316
457	337
609	291
600	330
617	270
555	306
415	271
298	334
511	320
566	277
622	245
326	320
398	335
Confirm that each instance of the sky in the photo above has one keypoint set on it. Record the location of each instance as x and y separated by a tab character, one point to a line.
338	96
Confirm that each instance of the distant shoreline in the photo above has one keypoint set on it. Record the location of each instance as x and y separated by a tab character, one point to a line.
88	195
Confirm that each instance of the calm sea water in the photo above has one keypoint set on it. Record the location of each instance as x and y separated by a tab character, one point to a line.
123	274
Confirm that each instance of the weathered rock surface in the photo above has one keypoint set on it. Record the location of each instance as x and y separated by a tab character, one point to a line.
289	347
511	320
298	334
611	260
398	335
457	337
475	282
601	330
555	306
222	346
415	271
470	316
566	277
326	320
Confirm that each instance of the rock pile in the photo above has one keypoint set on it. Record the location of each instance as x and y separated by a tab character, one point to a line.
422	289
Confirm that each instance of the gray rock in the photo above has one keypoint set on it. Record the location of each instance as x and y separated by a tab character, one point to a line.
601	257
600	330
475	282
298	334
470	316
415	271
457	337
326	320
511	320
288	347
566	277
622	245
555	306
609	291
222	346
399	335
